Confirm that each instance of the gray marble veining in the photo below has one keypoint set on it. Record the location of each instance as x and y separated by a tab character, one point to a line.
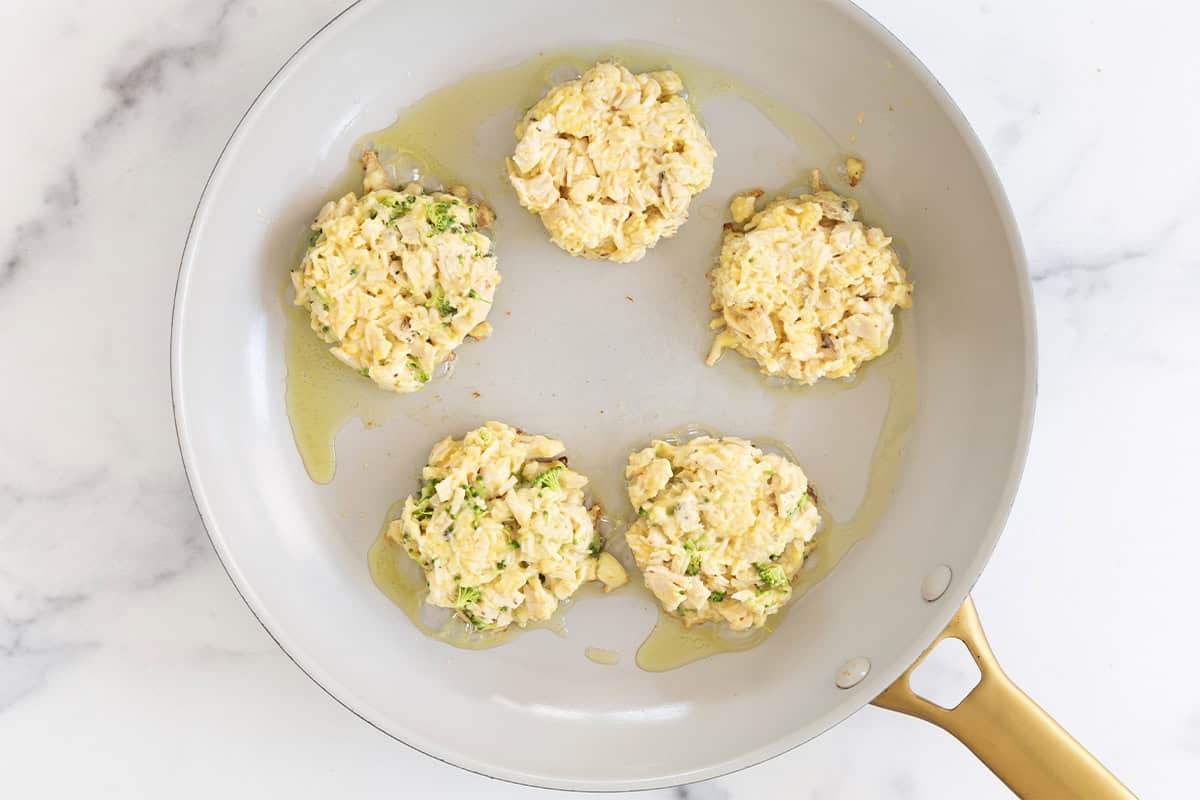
127	88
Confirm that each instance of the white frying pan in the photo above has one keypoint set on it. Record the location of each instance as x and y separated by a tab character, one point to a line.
921	455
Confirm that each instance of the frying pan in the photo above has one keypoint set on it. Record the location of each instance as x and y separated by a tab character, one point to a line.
919	457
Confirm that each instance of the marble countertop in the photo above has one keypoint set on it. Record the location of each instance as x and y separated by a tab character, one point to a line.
129	666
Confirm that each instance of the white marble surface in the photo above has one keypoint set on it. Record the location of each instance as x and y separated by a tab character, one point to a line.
129	667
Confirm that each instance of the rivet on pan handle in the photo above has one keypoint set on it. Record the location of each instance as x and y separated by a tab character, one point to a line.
1008	732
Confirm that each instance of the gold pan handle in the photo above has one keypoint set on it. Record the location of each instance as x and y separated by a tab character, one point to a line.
1006	730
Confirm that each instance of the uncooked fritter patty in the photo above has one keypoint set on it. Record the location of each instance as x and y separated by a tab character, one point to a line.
611	161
